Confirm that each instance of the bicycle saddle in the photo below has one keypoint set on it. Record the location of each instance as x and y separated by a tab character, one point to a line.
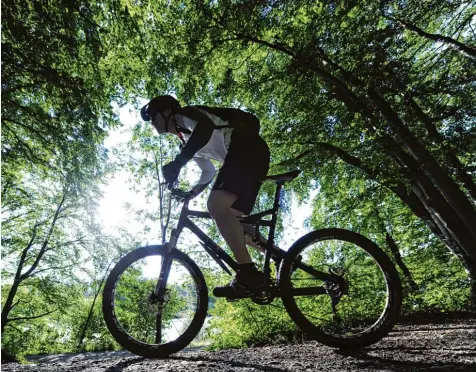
284	177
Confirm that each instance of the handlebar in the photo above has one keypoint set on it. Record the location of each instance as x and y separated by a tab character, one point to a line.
178	194
181	194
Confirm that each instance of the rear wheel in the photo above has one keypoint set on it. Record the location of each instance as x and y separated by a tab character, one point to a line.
142	322
357	304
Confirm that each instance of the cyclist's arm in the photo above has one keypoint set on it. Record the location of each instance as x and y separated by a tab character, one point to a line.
208	172
200	136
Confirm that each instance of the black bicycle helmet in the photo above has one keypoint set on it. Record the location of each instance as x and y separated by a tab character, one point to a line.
156	105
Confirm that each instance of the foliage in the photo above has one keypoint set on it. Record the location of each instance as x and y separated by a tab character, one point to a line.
374	101
59	331
245	324
56	106
327	92
137	313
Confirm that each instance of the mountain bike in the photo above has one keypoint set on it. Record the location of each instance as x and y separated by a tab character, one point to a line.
337	286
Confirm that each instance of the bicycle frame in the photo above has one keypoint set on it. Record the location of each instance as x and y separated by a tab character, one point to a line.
221	257
214	250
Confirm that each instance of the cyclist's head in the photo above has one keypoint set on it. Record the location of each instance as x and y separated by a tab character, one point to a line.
158	110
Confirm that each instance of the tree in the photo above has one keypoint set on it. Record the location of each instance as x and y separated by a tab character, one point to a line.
381	99
373	100
52	91
46	239
55	109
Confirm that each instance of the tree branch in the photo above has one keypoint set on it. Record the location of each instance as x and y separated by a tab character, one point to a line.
455	44
46	241
29	128
13	89
55	268
342	154
23	257
30	317
247	58
25	146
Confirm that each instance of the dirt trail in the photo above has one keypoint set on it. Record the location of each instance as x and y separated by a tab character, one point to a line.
434	347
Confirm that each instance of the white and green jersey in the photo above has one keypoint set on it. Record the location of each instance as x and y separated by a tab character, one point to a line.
215	148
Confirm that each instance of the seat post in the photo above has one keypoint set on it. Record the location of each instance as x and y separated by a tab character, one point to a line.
277	195
274	219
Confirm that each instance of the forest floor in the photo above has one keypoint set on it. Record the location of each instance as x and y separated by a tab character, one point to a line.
429	347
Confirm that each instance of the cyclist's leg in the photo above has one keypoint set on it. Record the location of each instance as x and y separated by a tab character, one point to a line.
249	231
219	205
247	277
236	188
234	193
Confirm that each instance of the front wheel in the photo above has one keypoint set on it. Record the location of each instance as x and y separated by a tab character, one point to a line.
145	323
340	288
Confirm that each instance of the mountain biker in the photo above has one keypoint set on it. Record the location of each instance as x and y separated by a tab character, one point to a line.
245	157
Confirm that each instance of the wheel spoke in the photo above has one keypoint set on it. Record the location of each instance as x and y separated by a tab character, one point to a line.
149	313
158	328
356	290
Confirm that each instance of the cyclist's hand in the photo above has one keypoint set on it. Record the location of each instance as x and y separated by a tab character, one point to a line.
171	171
182	194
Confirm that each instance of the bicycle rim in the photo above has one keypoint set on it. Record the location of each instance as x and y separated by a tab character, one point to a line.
143	323
356	311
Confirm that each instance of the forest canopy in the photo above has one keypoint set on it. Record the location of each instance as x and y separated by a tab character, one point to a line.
373	100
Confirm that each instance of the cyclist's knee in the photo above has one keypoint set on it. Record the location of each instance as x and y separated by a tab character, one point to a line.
214	207
220	202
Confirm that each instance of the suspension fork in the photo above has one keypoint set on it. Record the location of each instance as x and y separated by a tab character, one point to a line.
160	288
159	291
166	265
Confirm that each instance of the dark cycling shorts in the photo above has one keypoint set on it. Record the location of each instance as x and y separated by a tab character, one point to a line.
246	164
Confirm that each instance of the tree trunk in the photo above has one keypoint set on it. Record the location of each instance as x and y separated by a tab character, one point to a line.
7	307
19	277
449	237
398	259
449	189
414	198
86	323
453	232
472	294
453	160
434	202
